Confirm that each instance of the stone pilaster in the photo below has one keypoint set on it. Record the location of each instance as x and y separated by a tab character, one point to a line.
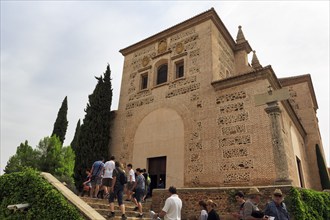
281	161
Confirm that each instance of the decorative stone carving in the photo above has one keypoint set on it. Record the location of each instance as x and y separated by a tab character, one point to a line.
183	90
236	165
139	95
183	34
231	97
237	140
194	96
132	75
190	39
194	53
129	114
179	48
145	61
236	129
195	168
194	70
224	120
235	152
162	46
232	108
191	45
139	103
183	82
194	158
237	177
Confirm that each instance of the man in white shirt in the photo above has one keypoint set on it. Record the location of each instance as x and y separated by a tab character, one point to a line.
130	182
108	168
172	207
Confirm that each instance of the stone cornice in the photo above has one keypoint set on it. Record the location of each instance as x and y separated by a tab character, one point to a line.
263	73
287	81
208	15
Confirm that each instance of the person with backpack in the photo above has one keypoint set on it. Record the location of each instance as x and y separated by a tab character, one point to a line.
147	184
139	187
117	190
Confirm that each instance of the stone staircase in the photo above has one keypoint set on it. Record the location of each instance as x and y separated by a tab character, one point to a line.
102	207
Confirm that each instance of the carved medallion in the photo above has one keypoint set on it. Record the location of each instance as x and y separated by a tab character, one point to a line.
179	47
145	61
162	46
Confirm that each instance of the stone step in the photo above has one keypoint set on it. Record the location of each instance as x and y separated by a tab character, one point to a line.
129	214
127	207
102	207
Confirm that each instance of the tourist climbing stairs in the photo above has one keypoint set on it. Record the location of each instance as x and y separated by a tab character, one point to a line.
102	207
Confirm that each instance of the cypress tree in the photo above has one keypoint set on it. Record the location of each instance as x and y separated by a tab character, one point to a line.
325	182
94	137
61	123
74	142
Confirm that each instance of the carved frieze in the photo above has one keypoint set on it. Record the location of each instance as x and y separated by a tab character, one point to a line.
236	165
237	177
139	95
195	168
194	96
183	90
233	118
194	70
231	130
237	140
235	152
194	53
182	35
139	103
234	107
231	97
183	82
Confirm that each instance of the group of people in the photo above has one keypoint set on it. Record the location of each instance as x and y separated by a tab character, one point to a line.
111	178
248	210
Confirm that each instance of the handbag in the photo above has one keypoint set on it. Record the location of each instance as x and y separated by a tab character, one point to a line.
257	214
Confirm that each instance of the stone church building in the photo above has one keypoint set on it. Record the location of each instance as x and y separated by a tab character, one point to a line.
195	112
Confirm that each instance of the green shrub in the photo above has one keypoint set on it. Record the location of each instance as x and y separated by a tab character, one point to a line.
29	187
307	204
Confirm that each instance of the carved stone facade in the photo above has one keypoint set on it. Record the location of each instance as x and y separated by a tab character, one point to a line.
185	98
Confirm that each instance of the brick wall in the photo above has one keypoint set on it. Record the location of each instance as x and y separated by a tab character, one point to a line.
223	196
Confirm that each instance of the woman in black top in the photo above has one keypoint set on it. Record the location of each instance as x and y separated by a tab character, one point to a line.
212	214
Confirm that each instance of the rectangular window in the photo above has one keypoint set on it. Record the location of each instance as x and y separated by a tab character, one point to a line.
144	81
300	172
162	74
179	69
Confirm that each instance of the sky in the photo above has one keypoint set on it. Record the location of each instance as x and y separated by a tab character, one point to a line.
53	49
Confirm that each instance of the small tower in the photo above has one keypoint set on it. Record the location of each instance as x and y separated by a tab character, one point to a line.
242	49
255	61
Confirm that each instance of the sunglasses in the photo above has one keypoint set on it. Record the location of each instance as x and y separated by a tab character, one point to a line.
278	195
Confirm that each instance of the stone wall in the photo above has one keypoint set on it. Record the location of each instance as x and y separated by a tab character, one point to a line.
223	196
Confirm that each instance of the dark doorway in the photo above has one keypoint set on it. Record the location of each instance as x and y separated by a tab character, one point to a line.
157	172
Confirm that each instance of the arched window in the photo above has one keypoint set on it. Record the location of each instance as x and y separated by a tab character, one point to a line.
161	74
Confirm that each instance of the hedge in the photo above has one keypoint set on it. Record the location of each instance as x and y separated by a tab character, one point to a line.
307	204
29	187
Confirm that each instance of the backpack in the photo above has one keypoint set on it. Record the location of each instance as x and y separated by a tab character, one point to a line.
122	177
